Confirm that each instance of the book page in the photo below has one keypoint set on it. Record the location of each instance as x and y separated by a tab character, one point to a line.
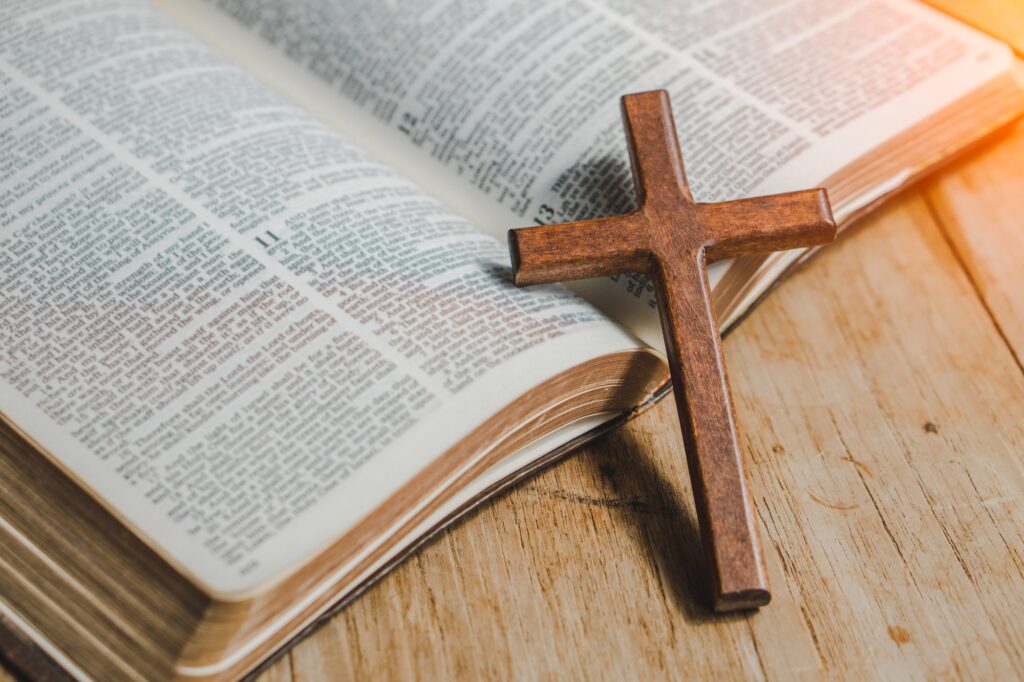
508	110
223	317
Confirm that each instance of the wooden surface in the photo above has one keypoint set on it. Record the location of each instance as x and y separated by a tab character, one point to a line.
882	404
673	238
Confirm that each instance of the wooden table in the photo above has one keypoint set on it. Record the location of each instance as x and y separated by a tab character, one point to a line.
881	395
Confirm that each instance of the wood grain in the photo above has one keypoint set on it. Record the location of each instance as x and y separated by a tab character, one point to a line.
882	412
280	671
673	238
978	206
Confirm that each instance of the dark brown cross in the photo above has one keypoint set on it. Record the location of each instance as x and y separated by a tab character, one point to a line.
672	238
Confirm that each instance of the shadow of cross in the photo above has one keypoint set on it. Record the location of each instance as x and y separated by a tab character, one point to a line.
672	238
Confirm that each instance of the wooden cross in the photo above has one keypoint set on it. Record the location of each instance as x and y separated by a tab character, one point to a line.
672	238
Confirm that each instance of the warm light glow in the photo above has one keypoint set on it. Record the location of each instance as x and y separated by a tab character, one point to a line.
1003	19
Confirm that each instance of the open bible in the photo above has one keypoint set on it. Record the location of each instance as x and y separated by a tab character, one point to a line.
258	336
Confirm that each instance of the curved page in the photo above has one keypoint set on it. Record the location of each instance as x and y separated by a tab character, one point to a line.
223	317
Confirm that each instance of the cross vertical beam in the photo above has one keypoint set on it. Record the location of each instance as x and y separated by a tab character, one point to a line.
672	238
725	514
